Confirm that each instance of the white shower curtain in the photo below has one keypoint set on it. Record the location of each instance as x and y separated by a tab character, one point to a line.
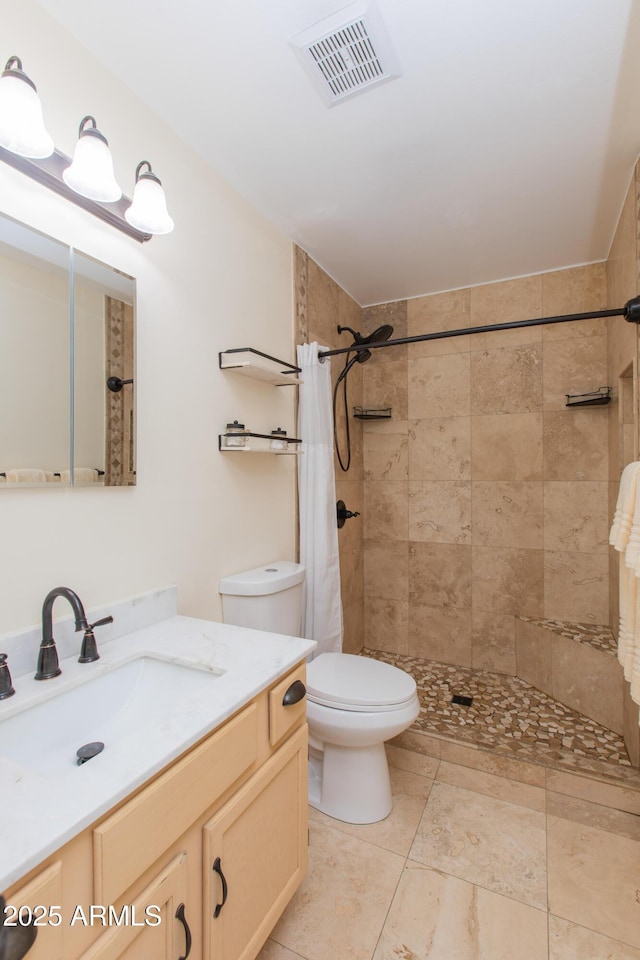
321	607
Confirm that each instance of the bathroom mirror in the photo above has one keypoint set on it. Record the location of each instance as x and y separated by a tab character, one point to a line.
66	328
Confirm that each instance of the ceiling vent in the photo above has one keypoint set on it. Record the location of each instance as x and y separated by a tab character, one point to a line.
346	53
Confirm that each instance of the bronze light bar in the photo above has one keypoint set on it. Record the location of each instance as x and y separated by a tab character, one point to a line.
630	311
48	172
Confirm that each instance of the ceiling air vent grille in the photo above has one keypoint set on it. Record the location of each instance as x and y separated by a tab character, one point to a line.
346	53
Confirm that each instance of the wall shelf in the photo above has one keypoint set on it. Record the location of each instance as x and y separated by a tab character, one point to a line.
362	413
260	366
263	445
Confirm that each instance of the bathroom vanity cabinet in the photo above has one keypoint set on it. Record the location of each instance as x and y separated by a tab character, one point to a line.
201	860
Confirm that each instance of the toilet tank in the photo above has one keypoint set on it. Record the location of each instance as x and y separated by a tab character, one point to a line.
265	598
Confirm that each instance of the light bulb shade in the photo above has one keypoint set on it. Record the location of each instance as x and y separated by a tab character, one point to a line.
91	171
148	211
22	129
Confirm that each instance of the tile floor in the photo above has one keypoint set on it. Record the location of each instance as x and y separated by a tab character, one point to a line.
468	866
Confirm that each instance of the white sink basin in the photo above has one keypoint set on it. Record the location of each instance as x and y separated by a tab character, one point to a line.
119	703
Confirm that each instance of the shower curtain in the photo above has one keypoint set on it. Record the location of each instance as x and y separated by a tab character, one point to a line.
321	607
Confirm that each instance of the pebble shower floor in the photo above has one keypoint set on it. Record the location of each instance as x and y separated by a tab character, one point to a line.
511	718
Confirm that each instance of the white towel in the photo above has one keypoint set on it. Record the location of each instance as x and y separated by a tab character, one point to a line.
623	516
80	475
625	537
26	475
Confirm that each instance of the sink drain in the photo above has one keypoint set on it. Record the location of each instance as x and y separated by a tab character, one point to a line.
89	750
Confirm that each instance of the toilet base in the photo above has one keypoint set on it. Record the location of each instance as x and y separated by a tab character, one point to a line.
350	783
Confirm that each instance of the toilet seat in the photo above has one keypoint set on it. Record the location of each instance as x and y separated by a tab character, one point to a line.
347	682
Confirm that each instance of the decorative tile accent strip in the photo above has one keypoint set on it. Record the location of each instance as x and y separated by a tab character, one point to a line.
594	635
511	718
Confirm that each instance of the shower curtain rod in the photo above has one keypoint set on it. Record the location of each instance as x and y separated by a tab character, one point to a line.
630	311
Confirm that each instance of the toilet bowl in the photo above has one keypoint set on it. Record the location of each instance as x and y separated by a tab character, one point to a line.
354	703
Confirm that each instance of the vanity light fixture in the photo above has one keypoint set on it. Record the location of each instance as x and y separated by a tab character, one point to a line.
91	171
148	210
87	180
22	127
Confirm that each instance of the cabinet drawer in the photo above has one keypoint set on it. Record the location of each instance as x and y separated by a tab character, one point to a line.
284	718
131	840
44	890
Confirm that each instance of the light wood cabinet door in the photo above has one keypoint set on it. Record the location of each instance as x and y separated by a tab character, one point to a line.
142	937
255	855
41	899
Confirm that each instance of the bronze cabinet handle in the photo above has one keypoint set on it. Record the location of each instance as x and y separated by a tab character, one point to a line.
217	868
187	932
294	694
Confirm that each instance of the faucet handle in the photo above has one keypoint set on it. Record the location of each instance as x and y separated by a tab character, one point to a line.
6	686
89	650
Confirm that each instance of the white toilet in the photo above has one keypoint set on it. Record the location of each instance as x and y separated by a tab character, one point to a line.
354	703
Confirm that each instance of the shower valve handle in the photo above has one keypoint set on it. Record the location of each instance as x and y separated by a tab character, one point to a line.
343	514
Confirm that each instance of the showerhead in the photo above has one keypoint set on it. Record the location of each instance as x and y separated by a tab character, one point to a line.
382	333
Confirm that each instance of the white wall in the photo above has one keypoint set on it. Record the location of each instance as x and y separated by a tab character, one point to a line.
222	279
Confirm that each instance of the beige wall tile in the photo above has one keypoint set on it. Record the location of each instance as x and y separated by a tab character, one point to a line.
507	513
485	760
413	762
575	444
576	587
576	516
323	314
386	624
440	633
440	511
440	449
435	313
484	840
533	654
506	380
386	450
433	914
386	569
386	510
504	302
395	315
351	571
385	384
576	290
506	447
493	643
593	879
440	574
569	941
508	581
587	680
439	387
572	367
353	626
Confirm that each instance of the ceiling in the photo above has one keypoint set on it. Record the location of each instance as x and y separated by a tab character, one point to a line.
505	147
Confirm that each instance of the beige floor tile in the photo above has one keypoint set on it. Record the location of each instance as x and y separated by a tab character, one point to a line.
593	815
501	788
395	832
274	951
568	941
594	879
438	917
339	910
489	842
596	791
413	762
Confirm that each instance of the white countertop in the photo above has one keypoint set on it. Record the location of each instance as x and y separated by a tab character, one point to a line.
41	812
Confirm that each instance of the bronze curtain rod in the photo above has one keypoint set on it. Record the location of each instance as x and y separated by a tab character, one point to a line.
630	311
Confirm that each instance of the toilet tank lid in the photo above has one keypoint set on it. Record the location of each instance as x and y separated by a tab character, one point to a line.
271	578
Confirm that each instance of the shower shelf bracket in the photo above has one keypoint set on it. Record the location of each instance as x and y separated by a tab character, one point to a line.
363	413
260	366
593	399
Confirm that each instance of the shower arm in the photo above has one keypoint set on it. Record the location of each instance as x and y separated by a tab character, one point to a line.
630	311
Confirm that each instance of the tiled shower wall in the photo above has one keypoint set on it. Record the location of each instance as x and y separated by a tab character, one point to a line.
485	497
321	306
